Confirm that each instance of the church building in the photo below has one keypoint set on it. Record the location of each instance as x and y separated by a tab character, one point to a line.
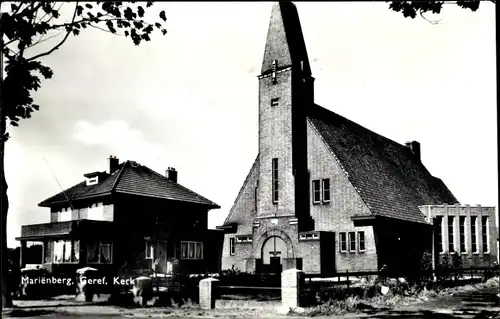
327	195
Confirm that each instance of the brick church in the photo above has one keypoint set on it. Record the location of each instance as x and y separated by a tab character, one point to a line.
327	195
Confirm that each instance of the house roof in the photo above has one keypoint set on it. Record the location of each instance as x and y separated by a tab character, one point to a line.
390	179
131	178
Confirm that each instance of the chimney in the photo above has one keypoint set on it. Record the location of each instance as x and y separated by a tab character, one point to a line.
113	164
171	174
414	147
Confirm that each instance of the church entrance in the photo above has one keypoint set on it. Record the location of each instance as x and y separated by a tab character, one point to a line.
273	251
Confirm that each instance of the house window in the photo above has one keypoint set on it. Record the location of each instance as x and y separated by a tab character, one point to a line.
361	241
191	250
343	242
66	251
149	250
451	228
99	252
316	191
275	180
439	228
92	180
326	190
231	246
461	229
473	233
485	234
274	101
352	241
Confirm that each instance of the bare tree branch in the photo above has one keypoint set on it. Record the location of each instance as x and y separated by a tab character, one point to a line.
68	32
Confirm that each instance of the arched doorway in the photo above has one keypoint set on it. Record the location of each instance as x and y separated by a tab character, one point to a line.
273	251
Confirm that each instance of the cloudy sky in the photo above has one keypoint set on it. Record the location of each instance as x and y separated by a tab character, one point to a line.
189	99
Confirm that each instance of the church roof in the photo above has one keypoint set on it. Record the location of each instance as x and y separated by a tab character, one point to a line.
131	178
390	179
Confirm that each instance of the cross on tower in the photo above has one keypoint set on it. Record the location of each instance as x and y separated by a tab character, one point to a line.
275	68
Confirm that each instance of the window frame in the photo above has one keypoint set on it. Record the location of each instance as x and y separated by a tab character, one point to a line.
325	190
100	245
343	246
72	253
316	191
361	241
232	248
451	234
473	234
351	240
275	180
462	234
194	244
485	234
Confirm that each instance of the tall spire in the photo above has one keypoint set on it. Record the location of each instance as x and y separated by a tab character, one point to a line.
285	44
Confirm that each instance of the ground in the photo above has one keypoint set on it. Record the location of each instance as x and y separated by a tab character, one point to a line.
478	303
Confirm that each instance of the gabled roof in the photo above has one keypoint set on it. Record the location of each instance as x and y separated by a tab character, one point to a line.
131	178
389	178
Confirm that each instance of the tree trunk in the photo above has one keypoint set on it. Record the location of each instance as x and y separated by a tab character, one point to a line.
4	201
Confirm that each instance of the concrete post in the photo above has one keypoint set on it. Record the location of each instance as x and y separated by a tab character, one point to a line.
208	293
291	281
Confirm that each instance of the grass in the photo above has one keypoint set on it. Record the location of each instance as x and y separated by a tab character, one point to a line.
355	304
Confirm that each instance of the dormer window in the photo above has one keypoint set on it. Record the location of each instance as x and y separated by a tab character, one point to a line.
92	180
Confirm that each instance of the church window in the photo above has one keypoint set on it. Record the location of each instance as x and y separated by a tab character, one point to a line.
352	241
275	68
473	233
316	191
361	241
231	246
343	242
439	228
461	229
149	250
485	234
274	101
275	180
451	237
326	190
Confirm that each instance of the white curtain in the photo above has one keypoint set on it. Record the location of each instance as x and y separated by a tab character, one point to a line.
58	251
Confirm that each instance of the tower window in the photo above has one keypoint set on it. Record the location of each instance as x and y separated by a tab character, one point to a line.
461	229
473	233
231	246
275	180
275	68
274	101
451	237
485	234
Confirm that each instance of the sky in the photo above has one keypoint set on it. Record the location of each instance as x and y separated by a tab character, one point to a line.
190	99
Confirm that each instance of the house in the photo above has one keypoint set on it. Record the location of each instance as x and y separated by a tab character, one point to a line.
127	218
327	195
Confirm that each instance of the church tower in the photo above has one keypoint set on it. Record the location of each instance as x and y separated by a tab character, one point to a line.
286	90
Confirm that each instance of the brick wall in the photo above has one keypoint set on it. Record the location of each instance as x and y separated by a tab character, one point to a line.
335	216
275	141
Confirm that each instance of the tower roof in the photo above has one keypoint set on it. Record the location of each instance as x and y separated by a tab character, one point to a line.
285	41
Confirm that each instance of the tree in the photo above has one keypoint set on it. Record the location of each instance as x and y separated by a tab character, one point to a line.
24	27
411	8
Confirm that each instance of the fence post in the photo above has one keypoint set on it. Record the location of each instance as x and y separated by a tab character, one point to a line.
291	281
347	272
208	288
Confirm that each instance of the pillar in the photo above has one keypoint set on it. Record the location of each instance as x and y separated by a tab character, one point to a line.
291	281
208	293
